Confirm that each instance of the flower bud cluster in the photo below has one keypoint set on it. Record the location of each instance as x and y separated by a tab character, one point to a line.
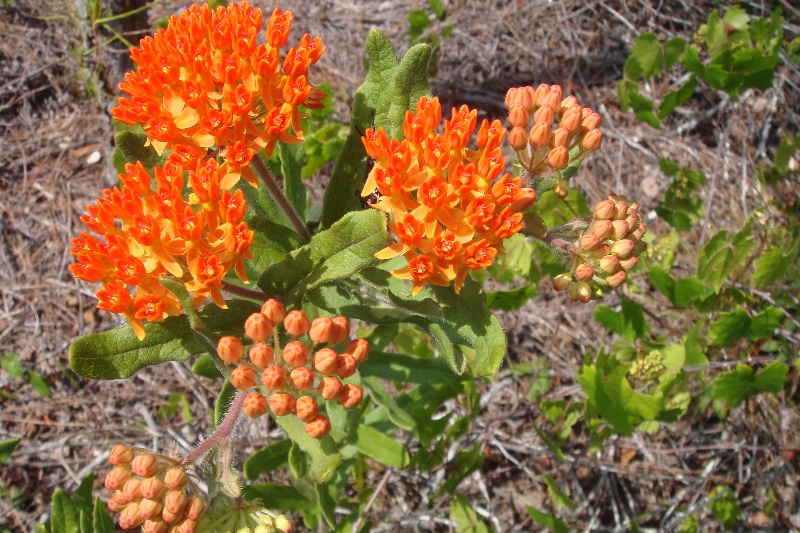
608	249
647	365
301	374
548	131
150	492
246	517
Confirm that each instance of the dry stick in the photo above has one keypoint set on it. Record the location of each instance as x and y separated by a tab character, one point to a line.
223	430
280	198
378	489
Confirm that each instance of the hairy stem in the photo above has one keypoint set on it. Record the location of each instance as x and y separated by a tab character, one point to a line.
280	198
243	292
224	429
559	243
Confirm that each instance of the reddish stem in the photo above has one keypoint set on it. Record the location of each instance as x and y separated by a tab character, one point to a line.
224	429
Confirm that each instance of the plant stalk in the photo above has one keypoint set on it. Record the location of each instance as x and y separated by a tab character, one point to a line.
280	198
224	429
244	292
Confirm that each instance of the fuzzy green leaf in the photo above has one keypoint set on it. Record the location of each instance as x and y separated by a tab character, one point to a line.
267	459
205	367
410	83
132	147
322	453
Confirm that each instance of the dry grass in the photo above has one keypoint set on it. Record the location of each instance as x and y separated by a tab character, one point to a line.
53	131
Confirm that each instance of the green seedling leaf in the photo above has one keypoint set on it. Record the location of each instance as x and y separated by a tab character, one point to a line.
38	384
118	353
677	98
284	497
437	8
7	447
132	147
418	21
733	387
465	517
715	261
338	252
550	522
267	459
64	516
323	455
556	494
205	367
12	365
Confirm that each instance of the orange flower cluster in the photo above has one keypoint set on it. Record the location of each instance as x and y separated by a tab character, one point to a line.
561	130
300	375
150	491
450	209
204	81
153	233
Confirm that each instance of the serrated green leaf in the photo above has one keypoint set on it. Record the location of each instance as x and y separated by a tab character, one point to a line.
715	261
677	98
736	17
418	21
7	447
118	353
740	383
437	8
267	459
773	265
410	83
646	58
338	252
462	513
673	356
764	324
691	343
323	453
730	327
284	497
550	522
101	520
205	367
64	516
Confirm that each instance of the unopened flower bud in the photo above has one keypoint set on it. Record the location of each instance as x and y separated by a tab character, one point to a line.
132	489
306	408
561	137
116	478
623	248
518	117
258	327
341	329
321	330
580	292
175	478
558	158
281	403
524	200
545	114
156	525
571	121
130	517
562	282
295	353
510	97
230	349
640	248
620	229
616	279
330	387
592	140
255	405
539	94
540	134
273	378
283	524
175	502
318	427
518	138
120	455
604	210
620	210
296	323
561	189
301	378
345	365
350	396
150	509
261	354
152	488
188	526
584	272
274	310
588	241
196	509
601	250
171	518
243	377
553	98
359	349
590	121
602	228
325	360
629	263
609	264
637	233
144	465
568	103
117	502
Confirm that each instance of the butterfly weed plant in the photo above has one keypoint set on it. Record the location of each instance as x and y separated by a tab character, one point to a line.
303	310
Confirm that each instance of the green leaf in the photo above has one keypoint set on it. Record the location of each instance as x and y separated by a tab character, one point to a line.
418	21
681	292
271	243
677	98
380	447
64	516
83	496
730	327
550	522
715	261
284	497
736	17
223	401
773	265
323	453
691	344
513	299
12	364
38	384
556	494
733	387
205	367
398	367
410	83
118	353
630	323
7	447
437	8
646	58
337	252
132	147
382	398
764	324
267	459
462	513
370	105
101	520
291	168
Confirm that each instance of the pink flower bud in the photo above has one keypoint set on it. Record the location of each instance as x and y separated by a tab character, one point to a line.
616	279
152	488
629	263
120	455
588	242
283	524
561	137
553	98
117	477
637	233
170	517
130	517
602	228
620	229
175	478
591	141
196	509
623	248
341	330
117	502
132	490
230	349
580	292
156	525
296	323
609	264
321	330
258	327
150	509
604	210
620	210
274	310
255	405
545	114
571	121
144	465
261	354
318	427
281	403
243	377
518	117
590	122
295	353
568	103
518	138
558	158
188	526
540	135
306	408
346	365
539	94
175	502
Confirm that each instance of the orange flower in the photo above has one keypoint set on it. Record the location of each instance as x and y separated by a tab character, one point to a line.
448	215
153	233
204	81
